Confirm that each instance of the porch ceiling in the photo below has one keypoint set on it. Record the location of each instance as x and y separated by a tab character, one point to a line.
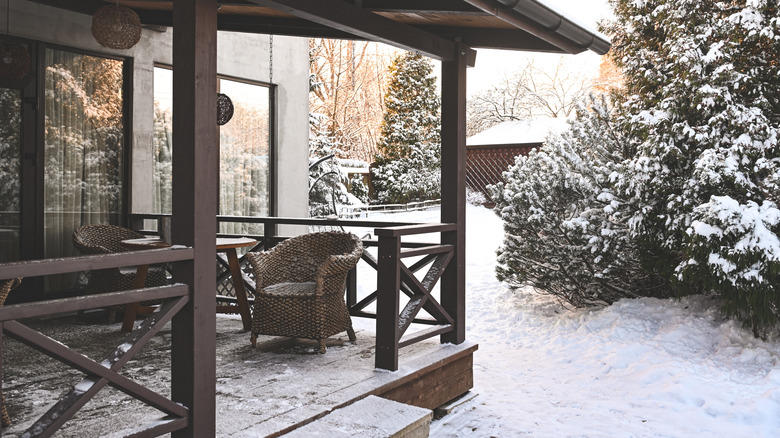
527	25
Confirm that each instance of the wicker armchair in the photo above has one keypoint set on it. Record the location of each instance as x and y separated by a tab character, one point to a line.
106	239
5	289
300	287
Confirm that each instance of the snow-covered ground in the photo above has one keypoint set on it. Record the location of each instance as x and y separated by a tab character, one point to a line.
640	368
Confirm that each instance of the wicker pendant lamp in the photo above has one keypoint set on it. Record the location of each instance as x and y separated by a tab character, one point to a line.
224	109
15	60
116	27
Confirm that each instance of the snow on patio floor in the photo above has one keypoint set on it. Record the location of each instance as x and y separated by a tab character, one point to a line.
640	368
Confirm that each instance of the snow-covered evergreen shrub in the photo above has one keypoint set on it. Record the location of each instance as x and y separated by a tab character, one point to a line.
702	81
475	197
566	228
328	179
408	164
416	177
359	189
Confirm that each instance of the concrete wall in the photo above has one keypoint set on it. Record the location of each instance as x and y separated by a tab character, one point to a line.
240	55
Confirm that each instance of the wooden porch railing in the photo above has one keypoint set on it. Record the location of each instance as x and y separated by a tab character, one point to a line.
393	279
105	372
393	276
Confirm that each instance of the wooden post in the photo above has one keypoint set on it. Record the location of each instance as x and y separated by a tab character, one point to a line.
195	150
387	305
351	288
453	189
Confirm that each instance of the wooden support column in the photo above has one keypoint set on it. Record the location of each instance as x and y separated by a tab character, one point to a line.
453	189
387	302
195	154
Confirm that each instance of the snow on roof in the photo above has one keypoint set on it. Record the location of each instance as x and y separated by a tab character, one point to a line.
519	131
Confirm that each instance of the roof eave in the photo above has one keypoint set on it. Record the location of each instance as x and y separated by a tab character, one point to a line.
546	23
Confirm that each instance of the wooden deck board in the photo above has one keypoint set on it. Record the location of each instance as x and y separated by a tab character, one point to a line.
282	384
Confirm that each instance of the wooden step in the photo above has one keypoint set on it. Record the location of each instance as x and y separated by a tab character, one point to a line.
370	417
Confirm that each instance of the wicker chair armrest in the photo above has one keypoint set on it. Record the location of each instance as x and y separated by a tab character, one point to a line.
336	264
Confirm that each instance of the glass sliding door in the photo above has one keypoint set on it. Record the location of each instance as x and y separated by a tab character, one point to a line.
83	149
10	172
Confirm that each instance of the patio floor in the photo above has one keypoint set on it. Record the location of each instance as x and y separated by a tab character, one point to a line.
281	385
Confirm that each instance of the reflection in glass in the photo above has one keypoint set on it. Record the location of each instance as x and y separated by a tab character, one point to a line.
83	149
244	145
10	172
162	140
244	152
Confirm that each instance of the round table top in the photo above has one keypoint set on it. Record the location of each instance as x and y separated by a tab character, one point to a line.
223	243
234	242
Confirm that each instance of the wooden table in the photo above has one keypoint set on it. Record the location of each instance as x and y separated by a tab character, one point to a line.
224	244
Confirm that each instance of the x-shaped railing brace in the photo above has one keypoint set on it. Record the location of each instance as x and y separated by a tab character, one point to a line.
103	373
417	291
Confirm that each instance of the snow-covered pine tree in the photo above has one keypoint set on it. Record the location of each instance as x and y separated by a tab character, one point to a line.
702	80
410	143
566	229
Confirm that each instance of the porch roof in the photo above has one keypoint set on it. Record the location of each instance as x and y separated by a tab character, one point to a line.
529	25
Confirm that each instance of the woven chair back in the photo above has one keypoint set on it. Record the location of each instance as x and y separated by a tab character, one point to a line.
102	239
5	289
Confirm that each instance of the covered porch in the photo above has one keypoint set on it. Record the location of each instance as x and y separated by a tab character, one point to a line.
191	400
265	391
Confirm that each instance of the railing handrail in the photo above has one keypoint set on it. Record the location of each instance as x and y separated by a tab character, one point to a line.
276	220
66	305
409	230
63	265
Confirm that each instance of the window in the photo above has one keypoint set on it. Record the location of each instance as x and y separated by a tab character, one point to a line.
245	151
162	140
245	156
83	149
10	171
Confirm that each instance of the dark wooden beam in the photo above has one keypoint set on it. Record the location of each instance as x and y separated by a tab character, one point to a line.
515	39
422	7
360	22
453	192
511	39
194	223
504	39
82	6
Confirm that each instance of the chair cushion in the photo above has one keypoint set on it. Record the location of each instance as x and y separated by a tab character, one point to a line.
291	288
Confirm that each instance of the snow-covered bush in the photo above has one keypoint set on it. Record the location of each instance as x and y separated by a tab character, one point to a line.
566	228
416	177
475	197
359	189
327	177
702	101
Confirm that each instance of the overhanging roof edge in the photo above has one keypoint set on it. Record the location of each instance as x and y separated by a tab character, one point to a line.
543	21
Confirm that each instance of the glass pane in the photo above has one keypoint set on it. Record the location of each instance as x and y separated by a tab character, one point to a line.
245	156
83	139
162	143
10	172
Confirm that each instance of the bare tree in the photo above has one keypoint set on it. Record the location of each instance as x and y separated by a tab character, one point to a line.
348	79
531	91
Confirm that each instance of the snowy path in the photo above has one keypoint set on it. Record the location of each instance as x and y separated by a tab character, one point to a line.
640	368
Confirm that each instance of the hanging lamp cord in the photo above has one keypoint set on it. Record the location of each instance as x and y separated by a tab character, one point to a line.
271	60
